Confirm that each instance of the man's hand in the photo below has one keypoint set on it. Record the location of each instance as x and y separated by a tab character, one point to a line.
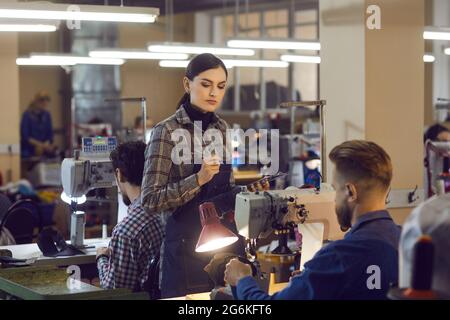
105	251
294	273
235	271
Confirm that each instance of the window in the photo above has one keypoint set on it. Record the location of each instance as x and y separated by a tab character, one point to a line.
268	23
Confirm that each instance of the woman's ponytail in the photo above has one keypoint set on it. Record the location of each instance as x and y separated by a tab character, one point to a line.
184	99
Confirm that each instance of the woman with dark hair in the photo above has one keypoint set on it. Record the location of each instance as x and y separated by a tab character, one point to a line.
175	190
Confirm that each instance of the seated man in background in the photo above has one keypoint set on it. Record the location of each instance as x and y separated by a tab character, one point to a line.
431	218
138	237
365	262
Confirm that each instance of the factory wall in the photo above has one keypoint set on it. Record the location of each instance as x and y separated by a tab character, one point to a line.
36	78
342	77
373	81
9	84
161	86
395	89
429	68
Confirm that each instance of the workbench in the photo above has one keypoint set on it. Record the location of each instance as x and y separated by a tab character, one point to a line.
47	278
52	283
273	288
28	251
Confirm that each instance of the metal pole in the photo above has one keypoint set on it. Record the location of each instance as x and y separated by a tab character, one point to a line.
262	80
318	37
291	34
236	75
73	120
323	156
144	117
321	104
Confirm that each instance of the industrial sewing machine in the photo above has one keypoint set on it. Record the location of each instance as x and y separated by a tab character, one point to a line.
437	167
88	170
258	214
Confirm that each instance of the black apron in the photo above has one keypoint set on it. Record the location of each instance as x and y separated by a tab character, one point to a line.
182	267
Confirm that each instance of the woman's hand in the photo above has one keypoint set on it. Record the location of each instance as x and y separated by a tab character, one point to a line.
210	167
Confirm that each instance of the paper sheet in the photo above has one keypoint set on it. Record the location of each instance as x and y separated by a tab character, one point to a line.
312	240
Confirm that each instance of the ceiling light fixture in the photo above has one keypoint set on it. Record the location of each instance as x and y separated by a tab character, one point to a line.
300	59
132	54
273	44
192	48
56	11
64	60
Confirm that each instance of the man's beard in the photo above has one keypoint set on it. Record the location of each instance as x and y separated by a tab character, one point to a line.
344	216
126	200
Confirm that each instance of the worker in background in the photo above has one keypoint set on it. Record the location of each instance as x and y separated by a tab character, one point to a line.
137	239
175	191
431	218
437	132
434	166
365	262
36	128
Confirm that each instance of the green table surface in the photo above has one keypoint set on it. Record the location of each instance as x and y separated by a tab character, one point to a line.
51	283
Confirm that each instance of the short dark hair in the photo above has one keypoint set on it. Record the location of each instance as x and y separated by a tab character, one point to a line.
129	157
364	162
433	132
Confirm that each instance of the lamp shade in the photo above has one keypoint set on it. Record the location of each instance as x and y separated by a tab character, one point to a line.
214	235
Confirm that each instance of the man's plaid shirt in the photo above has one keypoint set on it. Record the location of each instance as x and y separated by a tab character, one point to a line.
134	242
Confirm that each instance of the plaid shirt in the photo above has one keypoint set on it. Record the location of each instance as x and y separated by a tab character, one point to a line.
166	185
134	242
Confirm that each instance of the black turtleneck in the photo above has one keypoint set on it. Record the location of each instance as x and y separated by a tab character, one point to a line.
196	114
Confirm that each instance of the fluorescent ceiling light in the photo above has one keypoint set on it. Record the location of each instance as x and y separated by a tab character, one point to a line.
300	59
428	58
173	63
65	60
447	51
432	33
34	62
230	63
136	54
273	44
256	63
54	11
27	28
198	49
